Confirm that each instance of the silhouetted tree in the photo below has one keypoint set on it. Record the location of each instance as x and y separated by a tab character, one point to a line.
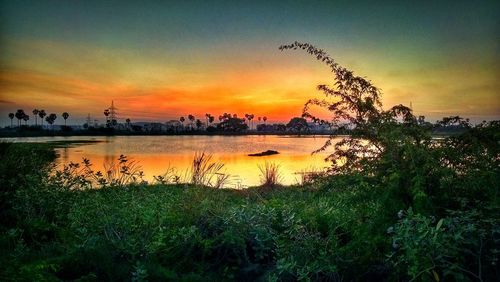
11	116
26	118
251	116
35	113
19	115
297	124
128	123
42	114
356	101
199	124
232	124
65	116
264	119
182	120
191	119
50	119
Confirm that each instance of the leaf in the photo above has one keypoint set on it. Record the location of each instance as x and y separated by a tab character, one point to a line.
436	276
440	222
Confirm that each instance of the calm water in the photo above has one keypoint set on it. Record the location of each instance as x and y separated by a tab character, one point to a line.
156	154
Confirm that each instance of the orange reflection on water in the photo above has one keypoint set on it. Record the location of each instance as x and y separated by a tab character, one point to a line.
157	154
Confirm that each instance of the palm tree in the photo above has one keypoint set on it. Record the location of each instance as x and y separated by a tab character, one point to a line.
199	124
19	115
247	116
42	114
182	120
11	116
264	119
26	118
191	118
207	116
51	119
65	116
250	118
35	113
128	123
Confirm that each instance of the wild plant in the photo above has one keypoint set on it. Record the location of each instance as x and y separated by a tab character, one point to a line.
169	177
83	176
205	172
270	174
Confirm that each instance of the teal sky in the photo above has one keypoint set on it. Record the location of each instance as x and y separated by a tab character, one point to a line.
443	56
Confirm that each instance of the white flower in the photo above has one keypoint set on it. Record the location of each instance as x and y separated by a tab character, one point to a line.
400	214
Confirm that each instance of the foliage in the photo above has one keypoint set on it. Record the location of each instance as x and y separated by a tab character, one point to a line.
344	226
204	172
297	124
270	174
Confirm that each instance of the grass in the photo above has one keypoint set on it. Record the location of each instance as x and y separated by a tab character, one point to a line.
205	172
270	174
331	229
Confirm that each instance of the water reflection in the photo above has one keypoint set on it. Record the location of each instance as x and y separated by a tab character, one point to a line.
156	154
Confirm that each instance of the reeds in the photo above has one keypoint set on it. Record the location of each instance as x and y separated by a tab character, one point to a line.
205	172
270	174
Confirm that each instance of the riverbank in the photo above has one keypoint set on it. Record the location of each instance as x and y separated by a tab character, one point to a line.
350	227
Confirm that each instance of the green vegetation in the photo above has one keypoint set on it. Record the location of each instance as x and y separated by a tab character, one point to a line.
396	205
400	226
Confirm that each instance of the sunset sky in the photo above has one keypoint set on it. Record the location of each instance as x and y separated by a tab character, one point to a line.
159	60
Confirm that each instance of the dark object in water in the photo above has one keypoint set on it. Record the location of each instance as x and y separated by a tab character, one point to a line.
266	153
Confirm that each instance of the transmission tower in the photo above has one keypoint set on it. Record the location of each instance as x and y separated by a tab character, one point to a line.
113	112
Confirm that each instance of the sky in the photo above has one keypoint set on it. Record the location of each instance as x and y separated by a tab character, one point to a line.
159	60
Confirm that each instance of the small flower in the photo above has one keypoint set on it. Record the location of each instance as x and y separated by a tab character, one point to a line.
400	214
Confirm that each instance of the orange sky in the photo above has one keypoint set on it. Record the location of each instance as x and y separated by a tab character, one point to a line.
216	59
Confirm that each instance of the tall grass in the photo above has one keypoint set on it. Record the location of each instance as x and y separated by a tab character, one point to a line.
205	172
270	174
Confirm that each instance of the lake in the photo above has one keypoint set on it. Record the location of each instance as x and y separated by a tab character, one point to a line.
156	154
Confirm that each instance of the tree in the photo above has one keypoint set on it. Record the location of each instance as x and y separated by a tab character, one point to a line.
26	118
199	124
191	119
264	119
35	113
50	119
182	120
207	117
232	124
128	123
19	115
297	124
42	114
65	116
11	116
355	103
249	117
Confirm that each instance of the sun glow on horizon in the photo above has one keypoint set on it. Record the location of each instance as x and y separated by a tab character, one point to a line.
159	69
